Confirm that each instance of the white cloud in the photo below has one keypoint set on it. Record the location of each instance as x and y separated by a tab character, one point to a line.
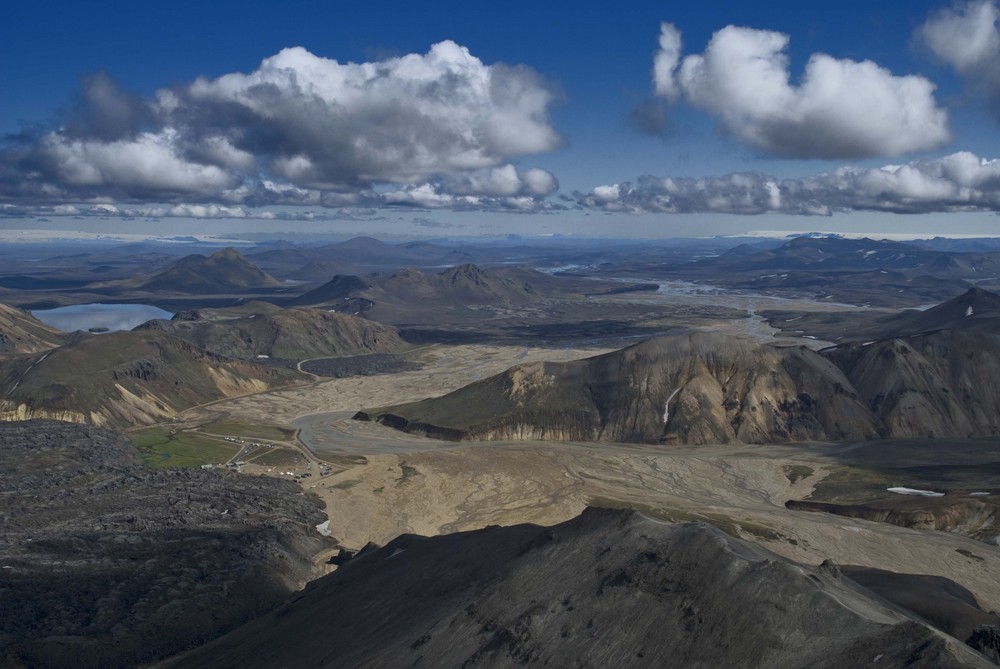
967	37
956	183
841	109
300	129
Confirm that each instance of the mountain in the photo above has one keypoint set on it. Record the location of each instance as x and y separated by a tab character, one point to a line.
606	589
706	388
280	333
126	378
695	389
20	332
357	255
337	289
222	272
941	384
462	285
975	308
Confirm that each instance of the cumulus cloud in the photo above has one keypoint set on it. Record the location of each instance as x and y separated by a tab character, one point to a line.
967	37
841	109
301	129
960	182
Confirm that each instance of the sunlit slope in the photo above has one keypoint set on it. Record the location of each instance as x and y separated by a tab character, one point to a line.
126	378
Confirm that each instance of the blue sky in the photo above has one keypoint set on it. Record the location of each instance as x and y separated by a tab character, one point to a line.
527	122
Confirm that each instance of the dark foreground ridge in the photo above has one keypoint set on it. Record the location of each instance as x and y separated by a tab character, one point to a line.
606	589
105	562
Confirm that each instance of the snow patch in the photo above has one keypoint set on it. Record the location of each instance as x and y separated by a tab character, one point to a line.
968	310
666	406
914	491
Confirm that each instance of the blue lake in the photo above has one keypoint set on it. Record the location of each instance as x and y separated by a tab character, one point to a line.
97	315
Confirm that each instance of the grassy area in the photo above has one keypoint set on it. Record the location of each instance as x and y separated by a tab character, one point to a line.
163	447
853	485
795	473
279	457
256	431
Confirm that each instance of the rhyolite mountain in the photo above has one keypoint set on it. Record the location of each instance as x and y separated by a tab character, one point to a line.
20	332
126	378
694	389
260	328
706	388
606	589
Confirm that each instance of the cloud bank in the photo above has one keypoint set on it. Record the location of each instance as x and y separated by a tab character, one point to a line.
960	182
300	129
967	37
840	109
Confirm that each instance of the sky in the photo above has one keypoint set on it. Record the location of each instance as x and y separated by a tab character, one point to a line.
657	119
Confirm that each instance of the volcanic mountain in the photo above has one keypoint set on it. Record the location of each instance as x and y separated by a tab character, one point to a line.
695	389
224	271
126	378
259	328
606	589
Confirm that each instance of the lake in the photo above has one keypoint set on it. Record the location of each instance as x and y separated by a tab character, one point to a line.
89	316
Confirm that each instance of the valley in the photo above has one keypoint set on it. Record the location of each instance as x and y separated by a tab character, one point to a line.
441	401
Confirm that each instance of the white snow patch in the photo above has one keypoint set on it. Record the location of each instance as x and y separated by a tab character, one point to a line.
914	491
968	310
666	406
979	494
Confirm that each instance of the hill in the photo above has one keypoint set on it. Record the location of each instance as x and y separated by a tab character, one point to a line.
337	289
126	378
297	334
608	588
20	332
695	389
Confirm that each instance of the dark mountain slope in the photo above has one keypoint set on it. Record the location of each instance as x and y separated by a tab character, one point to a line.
942	384
697	388
606	589
337	289
975	308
